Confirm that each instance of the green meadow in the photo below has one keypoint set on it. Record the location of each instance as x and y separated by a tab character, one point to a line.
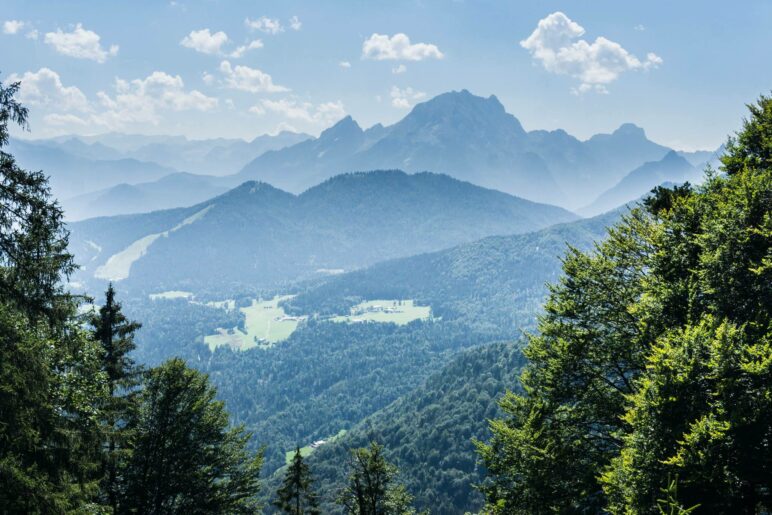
398	312
308	449
266	324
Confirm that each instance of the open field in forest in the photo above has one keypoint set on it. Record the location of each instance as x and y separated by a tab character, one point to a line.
308	449
266	324
399	312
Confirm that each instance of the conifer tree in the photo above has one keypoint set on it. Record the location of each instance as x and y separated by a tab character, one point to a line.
115	334
372	487
185	457
296	495
50	380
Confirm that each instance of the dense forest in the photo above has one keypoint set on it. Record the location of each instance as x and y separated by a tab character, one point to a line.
649	382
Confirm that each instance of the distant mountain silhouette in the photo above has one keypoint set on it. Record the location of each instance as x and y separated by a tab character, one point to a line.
670	169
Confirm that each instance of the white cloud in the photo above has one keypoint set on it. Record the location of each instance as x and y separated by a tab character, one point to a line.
398	47
640	27
12	26
344	64
80	43
556	43
322	114
208	78
404	98
399	69
295	23
265	24
140	100
44	87
248	79
64	120
33	34
240	51
204	41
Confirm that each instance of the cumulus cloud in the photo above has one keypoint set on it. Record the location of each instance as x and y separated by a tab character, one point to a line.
344	64
320	114
204	41
256	43
399	69
267	25
44	87
33	34
295	23
140	100
404	98
12	26
249	79
556	43
80	43
398	47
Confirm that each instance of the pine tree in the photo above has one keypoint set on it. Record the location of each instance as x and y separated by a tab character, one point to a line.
296	495
115	334
372	487
185	457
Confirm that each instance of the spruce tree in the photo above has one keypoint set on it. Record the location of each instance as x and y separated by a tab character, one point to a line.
115	334
373	488
185	457
296	495
50	379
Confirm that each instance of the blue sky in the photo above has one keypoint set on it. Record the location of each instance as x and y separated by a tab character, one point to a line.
682	70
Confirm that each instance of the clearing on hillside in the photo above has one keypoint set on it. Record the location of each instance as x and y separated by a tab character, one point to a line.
266	324
398	312
308	449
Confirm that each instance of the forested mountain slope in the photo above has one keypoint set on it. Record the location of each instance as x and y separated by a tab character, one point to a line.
259	236
428	433
494	285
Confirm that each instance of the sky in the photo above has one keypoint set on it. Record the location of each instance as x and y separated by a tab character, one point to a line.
204	69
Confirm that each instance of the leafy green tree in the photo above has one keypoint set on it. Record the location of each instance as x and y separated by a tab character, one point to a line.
296	494
50	379
185	457
115	334
372	485
653	358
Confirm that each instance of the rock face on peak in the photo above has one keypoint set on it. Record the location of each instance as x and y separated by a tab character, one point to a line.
471	138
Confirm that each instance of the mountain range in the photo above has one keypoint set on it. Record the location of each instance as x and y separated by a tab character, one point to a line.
459	134
470	138
258	236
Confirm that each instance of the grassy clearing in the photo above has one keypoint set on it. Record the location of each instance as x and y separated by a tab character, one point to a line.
118	266
308	449
266	324
399	312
